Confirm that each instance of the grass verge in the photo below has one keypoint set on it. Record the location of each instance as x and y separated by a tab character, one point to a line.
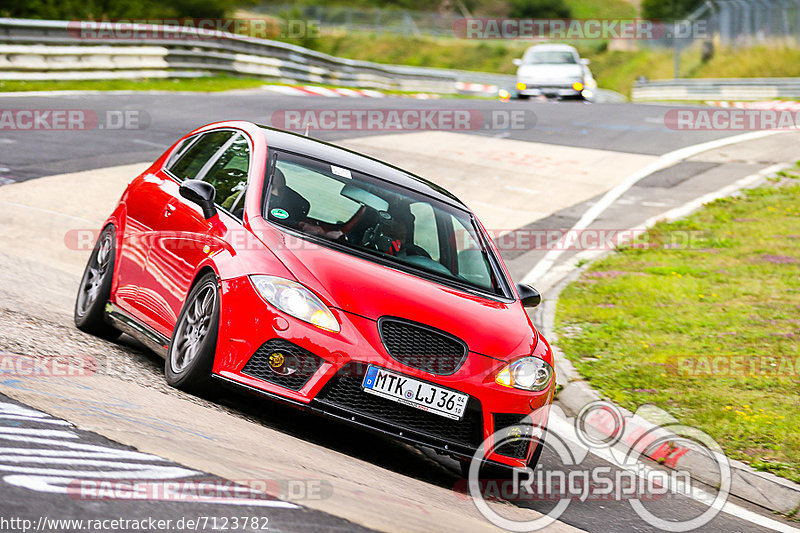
709	332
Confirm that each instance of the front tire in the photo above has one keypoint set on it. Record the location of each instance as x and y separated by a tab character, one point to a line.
190	355
95	288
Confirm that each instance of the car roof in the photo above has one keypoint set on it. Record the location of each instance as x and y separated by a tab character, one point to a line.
331	153
562	47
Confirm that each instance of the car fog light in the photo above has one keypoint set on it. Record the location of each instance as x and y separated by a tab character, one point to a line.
578	86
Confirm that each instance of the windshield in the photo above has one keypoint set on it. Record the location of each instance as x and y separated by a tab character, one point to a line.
389	223
551	57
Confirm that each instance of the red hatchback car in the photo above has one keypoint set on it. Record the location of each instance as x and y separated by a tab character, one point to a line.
326	279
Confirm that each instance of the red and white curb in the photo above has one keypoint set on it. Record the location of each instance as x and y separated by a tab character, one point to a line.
483	88
313	90
769	105
338	92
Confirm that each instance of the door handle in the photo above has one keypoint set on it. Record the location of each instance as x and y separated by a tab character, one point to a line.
169	210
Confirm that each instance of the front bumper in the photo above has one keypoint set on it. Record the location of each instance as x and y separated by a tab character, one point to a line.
333	366
563	91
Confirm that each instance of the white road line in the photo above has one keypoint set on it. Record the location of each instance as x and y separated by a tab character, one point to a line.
113	454
37	432
553	276
54	421
591	214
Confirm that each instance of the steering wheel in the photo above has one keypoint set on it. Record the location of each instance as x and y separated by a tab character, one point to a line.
370	239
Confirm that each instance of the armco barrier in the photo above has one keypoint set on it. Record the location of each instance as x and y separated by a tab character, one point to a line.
40	49
717	89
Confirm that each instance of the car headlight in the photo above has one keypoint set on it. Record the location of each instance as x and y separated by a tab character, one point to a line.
295	299
528	373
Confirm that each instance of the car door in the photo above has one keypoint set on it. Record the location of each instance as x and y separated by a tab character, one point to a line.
144	200
184	238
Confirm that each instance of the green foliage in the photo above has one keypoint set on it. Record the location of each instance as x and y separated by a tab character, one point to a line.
114	9
669	9
542	9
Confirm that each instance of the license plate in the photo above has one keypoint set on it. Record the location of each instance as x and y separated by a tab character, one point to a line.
415	393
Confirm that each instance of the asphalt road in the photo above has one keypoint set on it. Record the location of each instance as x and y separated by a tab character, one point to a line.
160	119
59	478
628	128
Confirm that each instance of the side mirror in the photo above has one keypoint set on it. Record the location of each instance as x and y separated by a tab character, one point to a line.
530	297
201	193
517	61
585	62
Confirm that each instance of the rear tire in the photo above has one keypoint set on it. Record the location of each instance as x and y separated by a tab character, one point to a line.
191	350
95	288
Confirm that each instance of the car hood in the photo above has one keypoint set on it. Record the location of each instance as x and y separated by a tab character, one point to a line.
550	73
362	287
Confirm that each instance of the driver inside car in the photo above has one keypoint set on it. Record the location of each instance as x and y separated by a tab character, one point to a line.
398	244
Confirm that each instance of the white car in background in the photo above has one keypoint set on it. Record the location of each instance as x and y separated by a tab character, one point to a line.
554	70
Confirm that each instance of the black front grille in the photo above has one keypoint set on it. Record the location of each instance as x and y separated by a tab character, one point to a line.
303	363
521	430
422	347
345	395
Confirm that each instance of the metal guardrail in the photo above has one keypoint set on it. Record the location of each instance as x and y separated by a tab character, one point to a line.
717	89
36	49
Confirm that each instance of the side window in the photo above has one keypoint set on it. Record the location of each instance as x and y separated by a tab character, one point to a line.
184	144
425	231
228	174
190	163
